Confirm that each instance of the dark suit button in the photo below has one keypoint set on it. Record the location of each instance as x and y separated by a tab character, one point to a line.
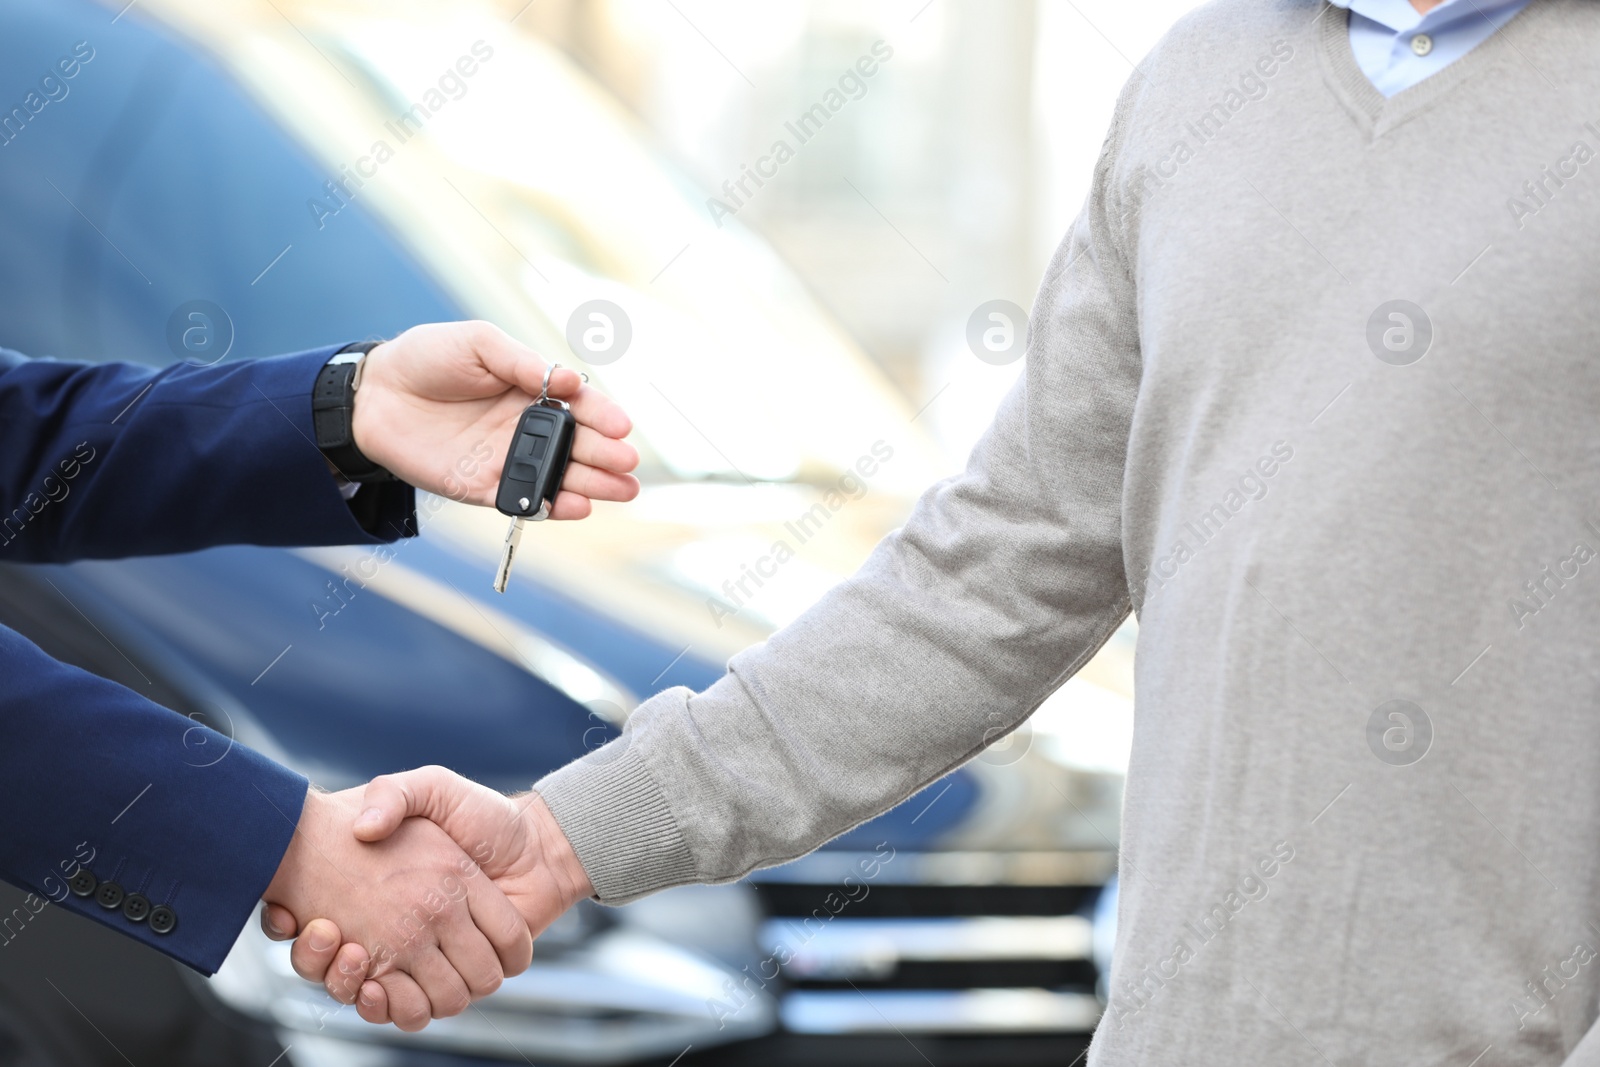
163	920
83	884
136	909
109	895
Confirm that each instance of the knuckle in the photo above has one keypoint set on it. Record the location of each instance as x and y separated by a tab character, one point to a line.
517	939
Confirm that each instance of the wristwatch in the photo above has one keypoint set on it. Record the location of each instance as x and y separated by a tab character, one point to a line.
332	408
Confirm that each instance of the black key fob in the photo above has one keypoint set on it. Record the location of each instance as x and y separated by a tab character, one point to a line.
537	461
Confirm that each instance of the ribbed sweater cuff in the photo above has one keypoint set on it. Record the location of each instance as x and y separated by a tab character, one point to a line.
619	824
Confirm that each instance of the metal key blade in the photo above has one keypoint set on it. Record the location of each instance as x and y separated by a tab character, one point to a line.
513	539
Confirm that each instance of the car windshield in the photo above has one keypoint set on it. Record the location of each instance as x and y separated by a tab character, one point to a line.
153	184
154	187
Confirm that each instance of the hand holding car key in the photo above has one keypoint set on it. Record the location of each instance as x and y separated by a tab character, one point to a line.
536	462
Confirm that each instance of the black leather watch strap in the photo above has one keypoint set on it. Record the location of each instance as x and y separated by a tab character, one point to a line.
332	408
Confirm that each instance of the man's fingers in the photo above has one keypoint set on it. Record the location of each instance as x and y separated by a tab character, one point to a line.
597	484
385	805
512	361
314	949
590	406
607	453
497	921
372	1003
570	506
482	939
565	383
581	484
348	973
278	922
390	799
474	962
593	408
443	985
408	1005
584	485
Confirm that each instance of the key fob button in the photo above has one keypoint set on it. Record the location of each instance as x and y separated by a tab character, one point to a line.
536	460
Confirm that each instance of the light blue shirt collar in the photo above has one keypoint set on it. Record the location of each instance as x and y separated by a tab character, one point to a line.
1382	32
1400	16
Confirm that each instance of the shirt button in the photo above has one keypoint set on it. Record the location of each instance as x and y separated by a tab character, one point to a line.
1421	44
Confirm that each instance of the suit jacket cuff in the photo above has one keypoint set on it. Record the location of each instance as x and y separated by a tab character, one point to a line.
99	778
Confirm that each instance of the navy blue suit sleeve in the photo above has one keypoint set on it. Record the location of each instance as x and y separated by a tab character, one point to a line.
98	782
96	778
109	460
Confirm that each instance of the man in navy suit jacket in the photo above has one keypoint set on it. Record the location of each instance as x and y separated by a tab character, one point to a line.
104	813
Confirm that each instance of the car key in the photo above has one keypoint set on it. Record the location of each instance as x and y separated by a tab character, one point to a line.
535	464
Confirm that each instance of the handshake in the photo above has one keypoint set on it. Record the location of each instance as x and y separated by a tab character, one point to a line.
419	893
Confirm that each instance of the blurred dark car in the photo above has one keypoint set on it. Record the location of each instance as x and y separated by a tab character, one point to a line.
172	201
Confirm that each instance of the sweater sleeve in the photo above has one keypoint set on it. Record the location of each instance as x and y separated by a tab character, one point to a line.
1003	583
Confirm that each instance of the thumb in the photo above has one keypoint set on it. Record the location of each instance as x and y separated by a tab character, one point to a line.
278	922
392	798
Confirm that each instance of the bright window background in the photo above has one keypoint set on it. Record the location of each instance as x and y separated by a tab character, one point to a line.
947	184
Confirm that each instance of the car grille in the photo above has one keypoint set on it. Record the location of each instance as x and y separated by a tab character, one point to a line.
886	956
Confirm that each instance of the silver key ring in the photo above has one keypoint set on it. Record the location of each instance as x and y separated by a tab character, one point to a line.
544	387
